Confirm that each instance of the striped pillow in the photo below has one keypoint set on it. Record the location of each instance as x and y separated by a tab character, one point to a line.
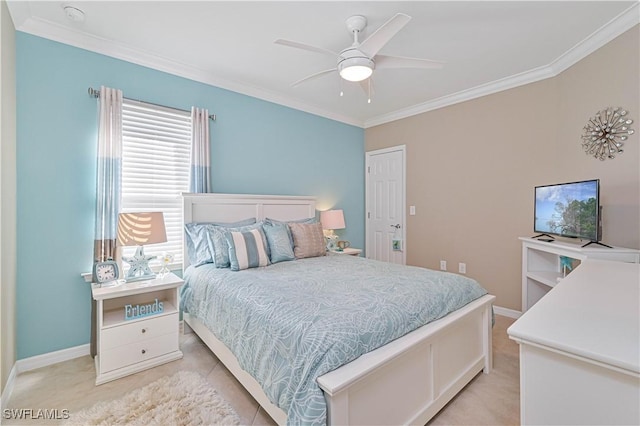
218	245
246	249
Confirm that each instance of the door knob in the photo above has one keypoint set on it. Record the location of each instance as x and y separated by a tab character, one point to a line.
397	226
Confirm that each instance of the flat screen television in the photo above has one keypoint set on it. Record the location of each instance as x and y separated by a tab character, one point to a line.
569	210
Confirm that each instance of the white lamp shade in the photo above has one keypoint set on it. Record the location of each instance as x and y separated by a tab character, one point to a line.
332	219
137	229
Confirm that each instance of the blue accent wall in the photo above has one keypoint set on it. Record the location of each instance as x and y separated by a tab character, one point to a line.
257	147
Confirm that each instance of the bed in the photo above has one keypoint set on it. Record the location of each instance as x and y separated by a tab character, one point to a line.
406	379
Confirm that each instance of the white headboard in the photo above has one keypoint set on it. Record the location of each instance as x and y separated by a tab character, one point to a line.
234	207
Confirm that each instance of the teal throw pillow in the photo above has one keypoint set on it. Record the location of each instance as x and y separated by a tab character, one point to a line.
278	239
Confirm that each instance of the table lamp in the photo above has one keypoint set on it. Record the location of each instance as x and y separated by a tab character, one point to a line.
331	220
138	229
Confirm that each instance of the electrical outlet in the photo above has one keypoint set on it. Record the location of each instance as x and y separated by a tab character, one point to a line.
412	210
443	265
462	268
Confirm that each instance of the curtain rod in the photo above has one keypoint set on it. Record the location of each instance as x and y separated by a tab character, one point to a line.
96	94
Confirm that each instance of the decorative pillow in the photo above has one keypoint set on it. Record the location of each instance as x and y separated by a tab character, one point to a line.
198	251
247	249
306	220
279	241
308	240
218	245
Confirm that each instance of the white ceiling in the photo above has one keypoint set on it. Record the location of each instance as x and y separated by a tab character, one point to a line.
488	46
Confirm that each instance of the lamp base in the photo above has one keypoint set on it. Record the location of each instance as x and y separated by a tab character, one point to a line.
332	241
139	266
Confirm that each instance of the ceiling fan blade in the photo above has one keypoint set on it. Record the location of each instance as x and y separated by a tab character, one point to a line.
307	47
383	61
313	76
382	35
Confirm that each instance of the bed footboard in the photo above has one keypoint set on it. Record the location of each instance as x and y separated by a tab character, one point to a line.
404	382
409	381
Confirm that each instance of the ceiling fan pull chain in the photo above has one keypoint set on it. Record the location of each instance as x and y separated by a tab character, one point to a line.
369	98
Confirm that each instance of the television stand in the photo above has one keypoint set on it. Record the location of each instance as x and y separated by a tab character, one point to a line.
548	239
596	242
542	267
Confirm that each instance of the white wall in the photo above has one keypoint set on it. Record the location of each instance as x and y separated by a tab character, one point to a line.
7	195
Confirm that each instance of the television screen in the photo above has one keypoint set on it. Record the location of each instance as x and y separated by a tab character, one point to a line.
568	209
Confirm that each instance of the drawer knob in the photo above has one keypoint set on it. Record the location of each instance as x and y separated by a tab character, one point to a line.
144	351
144	330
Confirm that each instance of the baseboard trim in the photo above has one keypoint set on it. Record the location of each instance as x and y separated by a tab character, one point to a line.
8	389
50	358
506	312
44	360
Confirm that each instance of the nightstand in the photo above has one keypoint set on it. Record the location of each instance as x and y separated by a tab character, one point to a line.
348	251
137	326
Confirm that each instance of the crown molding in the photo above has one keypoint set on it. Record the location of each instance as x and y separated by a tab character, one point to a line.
25	22
612	29
603	35
53	31
464	95
20	12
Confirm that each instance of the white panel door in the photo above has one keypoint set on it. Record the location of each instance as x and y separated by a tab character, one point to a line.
385	204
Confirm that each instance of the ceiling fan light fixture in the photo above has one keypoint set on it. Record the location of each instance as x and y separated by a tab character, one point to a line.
356	69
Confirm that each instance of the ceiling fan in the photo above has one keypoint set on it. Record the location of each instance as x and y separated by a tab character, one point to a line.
357	62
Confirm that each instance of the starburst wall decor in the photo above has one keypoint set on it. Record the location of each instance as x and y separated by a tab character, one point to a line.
605	133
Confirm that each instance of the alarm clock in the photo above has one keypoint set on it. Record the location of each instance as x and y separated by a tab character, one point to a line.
105	271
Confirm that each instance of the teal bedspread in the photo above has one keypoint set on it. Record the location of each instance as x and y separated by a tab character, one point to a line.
291	322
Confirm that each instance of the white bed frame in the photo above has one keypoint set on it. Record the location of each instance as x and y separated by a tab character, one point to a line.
406	381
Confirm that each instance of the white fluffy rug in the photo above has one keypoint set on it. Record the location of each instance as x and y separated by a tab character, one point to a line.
182	399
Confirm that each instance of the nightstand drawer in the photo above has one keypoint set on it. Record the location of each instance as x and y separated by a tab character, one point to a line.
138	331
133	353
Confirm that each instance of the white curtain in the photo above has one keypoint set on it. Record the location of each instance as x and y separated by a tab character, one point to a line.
200	178
108	191
108	188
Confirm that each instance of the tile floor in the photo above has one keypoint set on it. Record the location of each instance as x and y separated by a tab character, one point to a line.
489	399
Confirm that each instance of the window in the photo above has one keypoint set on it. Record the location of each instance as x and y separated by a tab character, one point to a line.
156	148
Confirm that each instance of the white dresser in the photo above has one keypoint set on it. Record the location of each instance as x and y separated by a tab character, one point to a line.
128	341
542	266
580	349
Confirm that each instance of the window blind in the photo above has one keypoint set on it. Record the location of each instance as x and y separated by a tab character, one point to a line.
156	148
